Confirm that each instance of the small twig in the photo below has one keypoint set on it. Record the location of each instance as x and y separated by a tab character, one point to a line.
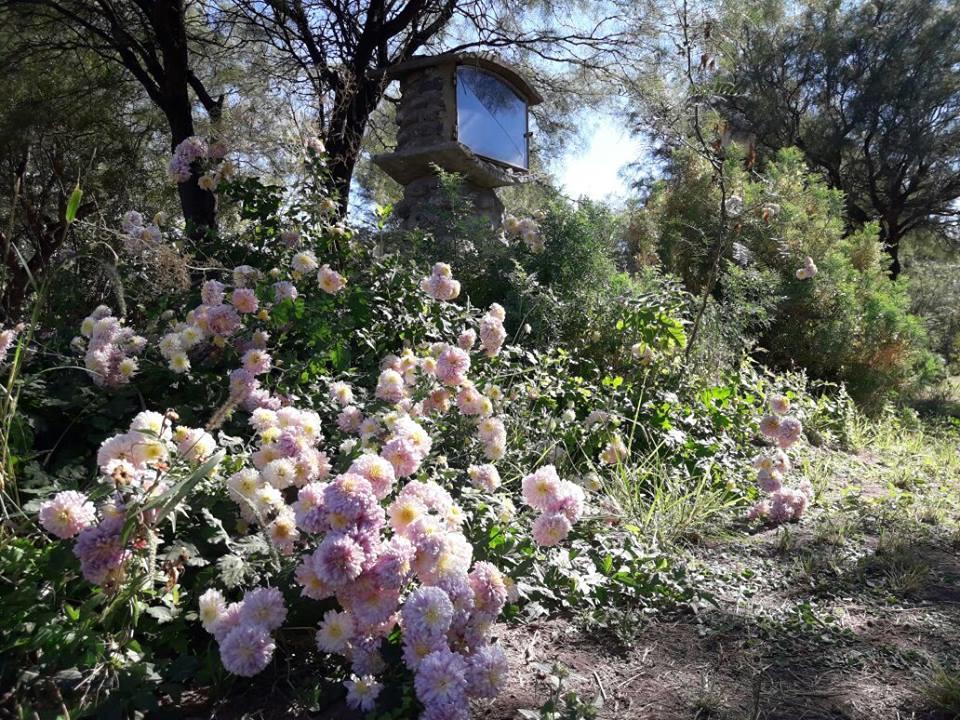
603	693
757	688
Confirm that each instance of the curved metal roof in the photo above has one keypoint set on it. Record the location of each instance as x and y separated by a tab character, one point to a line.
485	61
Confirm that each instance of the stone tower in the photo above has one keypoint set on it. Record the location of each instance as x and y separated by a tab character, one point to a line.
465	113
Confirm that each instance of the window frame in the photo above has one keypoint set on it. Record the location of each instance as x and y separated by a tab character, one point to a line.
520	96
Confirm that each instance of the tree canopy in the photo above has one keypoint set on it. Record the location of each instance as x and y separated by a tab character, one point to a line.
870	93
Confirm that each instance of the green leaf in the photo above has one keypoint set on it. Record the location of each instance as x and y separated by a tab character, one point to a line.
73	204
166	502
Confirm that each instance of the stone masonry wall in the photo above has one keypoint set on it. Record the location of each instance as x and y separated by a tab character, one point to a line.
427	112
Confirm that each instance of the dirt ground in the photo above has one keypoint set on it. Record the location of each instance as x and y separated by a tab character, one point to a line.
846	616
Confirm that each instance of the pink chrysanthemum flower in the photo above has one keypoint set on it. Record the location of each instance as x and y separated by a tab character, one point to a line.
789	432
284	290
769	480
223	320
330	280
779	404
550	529
264	607
446	711
492	334
243	485
491	430
370	601
770	426
494	451
785	505
416	649
257	361
211	607
452	366
484	477
378	471
311	584
362	692
211	293
569	501
229	619
763	462
759	510
437	401
246	650
245	301
489	589
404	457
350	419
541	488
441	678
404	512
466	339
471	401
304	262
364	655
341	393
100	550
67	514
781	461
194	444
432	495
282	531
487	672
409	429
280	473
390	386
338	559
440	285
427	613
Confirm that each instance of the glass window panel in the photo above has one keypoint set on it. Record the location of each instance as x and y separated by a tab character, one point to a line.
491	117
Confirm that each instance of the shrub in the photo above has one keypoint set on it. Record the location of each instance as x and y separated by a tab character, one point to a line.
843	320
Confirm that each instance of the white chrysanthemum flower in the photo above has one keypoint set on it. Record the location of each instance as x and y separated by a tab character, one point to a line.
128	367
305	262
179	362
212	606
280	473
336	631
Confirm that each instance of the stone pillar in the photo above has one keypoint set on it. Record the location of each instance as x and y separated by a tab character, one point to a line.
426	205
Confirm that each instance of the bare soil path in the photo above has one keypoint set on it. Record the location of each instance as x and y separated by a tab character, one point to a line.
848	615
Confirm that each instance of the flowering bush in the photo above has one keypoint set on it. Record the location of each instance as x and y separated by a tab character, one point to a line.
364	522
359	450
387	547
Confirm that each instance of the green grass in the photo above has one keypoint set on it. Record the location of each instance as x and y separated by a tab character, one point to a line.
943	691
665	506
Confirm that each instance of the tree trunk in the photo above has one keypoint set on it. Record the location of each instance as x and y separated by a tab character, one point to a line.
891	243
352	110
199	206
